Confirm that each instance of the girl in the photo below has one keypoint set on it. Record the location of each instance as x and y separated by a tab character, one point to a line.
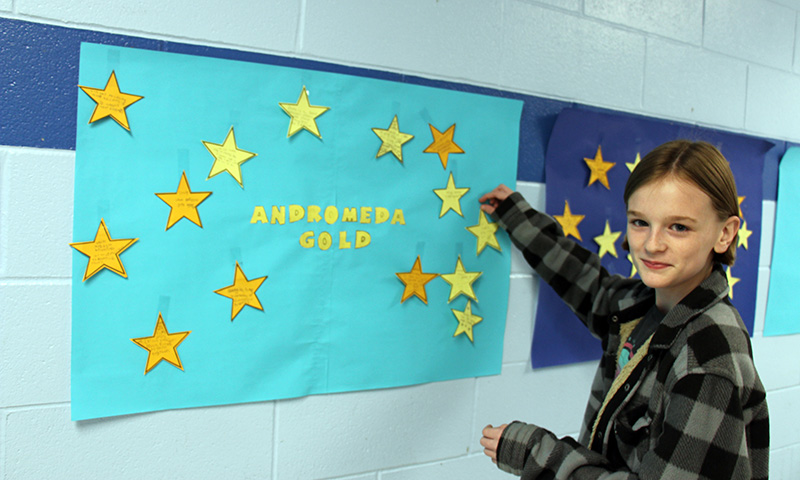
676	394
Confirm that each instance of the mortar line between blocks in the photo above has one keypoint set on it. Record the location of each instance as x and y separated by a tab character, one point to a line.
275	440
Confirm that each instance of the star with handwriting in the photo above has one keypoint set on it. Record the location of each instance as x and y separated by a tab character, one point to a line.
569	222
103	252
466	320
183	203
392	140
162	345
415	281
443	144
303	115
451	197
242	292
606	241
228	157
111	102
744	235
461	281
485	232
731	281
599	169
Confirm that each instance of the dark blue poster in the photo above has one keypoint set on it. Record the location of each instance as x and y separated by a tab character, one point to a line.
582	138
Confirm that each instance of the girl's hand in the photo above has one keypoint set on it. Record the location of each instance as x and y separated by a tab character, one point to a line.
491	436
491	200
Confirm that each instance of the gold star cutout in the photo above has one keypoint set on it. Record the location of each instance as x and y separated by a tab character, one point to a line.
485	231
633	267
461	281
466	320
303	115
606	241
599	168
415	281
731	281
104	252
183	203
242	292
111	102
443	144
228	157
451	197
569	222
744	234
633	165
161	346
741	199
392	140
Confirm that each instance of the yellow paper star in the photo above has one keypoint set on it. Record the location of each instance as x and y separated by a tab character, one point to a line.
569	222
111	102
242	292
633	165
741	199
461	281
606	241
633	267
415	281
162	345
485	232
744	234
104	252
731	281
303	115
451	197
443	144
228	157
599	168
466	320
392	140
183	203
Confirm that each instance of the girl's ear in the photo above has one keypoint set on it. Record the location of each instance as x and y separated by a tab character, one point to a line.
728	234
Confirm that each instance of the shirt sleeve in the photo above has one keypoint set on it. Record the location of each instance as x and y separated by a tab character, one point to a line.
573	272
704	436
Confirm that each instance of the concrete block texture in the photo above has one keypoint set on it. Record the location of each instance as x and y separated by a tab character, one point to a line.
270	26
34	344
473	466
678	19
554	398
452	39
522	301
326	436
784	406
772	98
687	82
559	54
36	217
760	31
206	443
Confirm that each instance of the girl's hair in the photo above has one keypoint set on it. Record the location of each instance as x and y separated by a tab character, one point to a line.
699	163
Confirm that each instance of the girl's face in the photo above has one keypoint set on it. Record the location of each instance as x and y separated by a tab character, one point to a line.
672	232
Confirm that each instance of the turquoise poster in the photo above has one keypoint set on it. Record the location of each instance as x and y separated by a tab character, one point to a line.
249	232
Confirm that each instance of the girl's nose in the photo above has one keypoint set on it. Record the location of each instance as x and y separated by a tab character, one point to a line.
654	241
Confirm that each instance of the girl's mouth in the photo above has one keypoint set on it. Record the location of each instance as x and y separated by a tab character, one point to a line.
654	265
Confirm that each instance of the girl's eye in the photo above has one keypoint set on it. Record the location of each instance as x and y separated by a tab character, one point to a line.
680	228
638	223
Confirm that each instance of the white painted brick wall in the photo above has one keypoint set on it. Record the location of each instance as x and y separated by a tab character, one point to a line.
679	19
760	31
731	64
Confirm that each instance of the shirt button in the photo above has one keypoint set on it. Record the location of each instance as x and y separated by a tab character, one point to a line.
627	387
615	319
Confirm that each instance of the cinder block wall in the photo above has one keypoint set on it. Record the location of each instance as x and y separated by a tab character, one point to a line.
728	64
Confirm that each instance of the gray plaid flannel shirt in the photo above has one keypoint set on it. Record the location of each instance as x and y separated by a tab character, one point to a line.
693	407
